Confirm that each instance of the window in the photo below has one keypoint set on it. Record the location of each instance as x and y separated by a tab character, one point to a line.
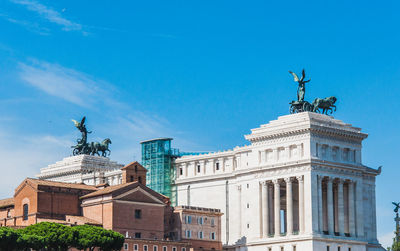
248	225
269	249
212	236
294	248
248	205
140	179
349	249
183	249
200	235
338	248
200	220
135	247
8	213
188	234
217	166
125	246
212	222
138	213
25	210
173	248
155	248
180	171
189	219
138	235
132	178
145	248
164	248
135	168
198	168
282	249
327	248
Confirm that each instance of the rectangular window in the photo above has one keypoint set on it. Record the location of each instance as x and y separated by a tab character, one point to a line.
217	166
338	248
200	235
164	248
188	234
135	247
294	248
183	249
212	222
282	249
327	248
173	248
189	219
25	211
145	248
125	246
200	220
155	248
198	168
349	249
138	235
180	171
138	213
212	236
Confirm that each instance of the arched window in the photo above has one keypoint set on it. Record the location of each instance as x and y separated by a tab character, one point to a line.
25	211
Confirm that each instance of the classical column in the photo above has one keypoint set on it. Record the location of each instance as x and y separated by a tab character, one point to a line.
277	207
270	191
289	206
265	218
340	207
331	226
239	187
301	203
352	226
320	205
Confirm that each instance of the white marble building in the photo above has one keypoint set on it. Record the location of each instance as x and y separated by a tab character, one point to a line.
299	185
91	170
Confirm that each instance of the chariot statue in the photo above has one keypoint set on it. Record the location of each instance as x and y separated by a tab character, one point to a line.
92	148
320	105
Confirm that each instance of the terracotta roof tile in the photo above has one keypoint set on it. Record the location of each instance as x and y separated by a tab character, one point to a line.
132	165
107	190
7	202
38	182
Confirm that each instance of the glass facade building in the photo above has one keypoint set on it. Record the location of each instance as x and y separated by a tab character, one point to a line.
157	158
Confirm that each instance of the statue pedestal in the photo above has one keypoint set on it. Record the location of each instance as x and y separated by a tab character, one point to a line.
91	170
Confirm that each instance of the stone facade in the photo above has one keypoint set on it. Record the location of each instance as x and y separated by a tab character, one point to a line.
299	185
91	170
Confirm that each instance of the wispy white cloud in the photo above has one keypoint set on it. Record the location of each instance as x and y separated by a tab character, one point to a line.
51	15
386	240
30	26
56	80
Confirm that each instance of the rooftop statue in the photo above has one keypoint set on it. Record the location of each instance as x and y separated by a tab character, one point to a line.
92	148
320	105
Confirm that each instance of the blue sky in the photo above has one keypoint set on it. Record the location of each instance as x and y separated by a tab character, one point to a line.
202	72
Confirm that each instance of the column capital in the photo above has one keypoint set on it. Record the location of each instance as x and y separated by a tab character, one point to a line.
288	179
275	181
300	178
264	182
329	179
340	181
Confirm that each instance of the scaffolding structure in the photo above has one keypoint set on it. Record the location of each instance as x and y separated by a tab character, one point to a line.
157	158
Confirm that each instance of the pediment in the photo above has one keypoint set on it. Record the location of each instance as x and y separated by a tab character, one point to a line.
138	195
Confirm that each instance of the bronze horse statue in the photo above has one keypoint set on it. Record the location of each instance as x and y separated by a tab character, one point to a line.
326	104
96	148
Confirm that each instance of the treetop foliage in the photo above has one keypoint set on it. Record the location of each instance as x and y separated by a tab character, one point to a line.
57	237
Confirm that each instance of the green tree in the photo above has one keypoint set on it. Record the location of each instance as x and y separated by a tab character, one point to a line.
8	239
52	236
90	237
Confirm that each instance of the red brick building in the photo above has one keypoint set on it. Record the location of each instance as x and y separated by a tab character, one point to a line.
142	215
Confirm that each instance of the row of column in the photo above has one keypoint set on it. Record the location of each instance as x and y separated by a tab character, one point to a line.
268	198
336	206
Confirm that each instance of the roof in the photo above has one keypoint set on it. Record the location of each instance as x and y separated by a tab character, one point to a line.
122	188
83	219
132	166
35	183
7	202
156	139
